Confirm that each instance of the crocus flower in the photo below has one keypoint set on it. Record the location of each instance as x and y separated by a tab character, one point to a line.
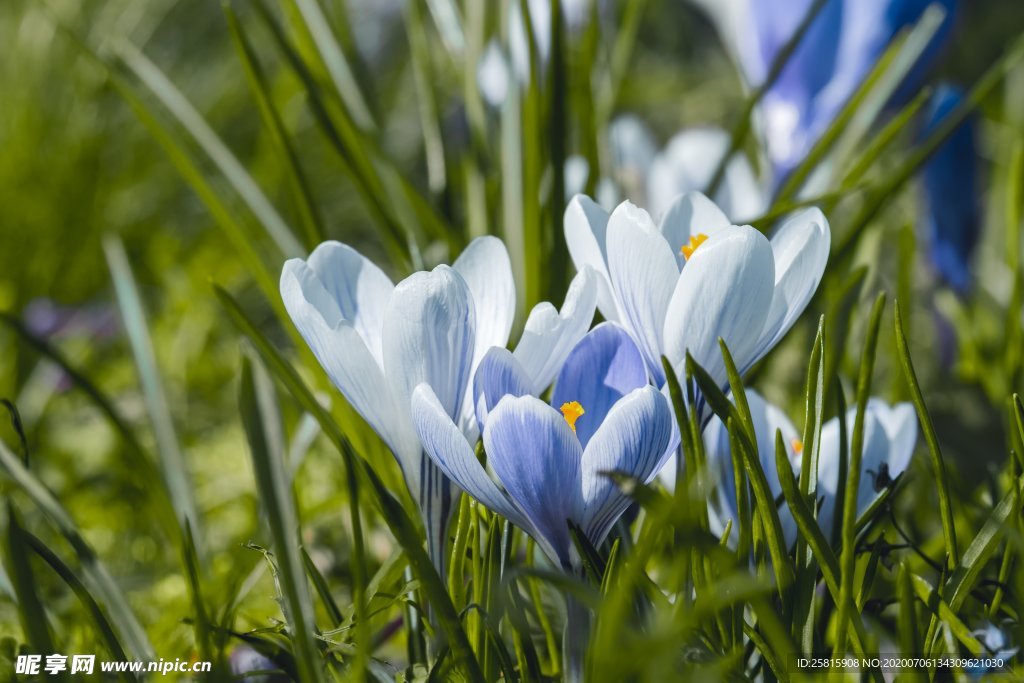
768	420
842	44
679	286
249	665
997	643
549	459
950	219
377	341
890	433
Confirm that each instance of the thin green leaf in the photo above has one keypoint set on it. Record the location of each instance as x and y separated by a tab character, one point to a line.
259	417
225	160
99	581
176	478
945	612
31	611
849	551
934	450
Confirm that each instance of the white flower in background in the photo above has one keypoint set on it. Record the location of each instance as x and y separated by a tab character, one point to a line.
890	433
377	341
680	285
654	178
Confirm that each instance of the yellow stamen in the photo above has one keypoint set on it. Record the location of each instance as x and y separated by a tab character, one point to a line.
572	411
798	446
695	241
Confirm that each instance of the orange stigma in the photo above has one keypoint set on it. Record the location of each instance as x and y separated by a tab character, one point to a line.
695	241
571	411
798	446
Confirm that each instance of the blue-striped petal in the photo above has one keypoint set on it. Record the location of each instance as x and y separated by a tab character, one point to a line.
603	367
537	459
633	439
498	375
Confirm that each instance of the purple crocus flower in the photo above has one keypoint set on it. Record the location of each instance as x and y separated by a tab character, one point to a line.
550	459
833	58
951	219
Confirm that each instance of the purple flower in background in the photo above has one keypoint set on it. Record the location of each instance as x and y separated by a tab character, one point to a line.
46	318
833	58
951	218
550	458
245	659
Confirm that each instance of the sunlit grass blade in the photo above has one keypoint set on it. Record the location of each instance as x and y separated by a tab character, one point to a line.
258	408
423	76
934	450
942	611
95	575
335	61
406	532
741	129
848	557
210	142
906	623
298	184
172	461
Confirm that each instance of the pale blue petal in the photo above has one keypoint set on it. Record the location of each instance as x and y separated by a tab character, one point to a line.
341	351
603	367
549	335
359	288
643	273
634	439
537	458
449	450
487	270
724	291
429	337
499	375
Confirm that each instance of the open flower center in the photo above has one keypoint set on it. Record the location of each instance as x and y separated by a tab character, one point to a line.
798	446
690	247
571	411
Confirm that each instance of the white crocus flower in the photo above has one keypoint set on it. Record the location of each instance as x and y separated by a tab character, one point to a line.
679	286
377	341
890	433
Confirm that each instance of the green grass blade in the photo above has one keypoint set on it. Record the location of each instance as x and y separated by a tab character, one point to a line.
906	623
172	461
336	63
103	626
934	450
764	500
258	408
849	550
425	82
101	584
811	532
298	185
210	142
944	612
31	611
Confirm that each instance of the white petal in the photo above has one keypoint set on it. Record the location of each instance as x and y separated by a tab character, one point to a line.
344	356
800	247
444	443
359	288
643	273
428	337
586	228
900	425
550	335
724	291
487	270
690	214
